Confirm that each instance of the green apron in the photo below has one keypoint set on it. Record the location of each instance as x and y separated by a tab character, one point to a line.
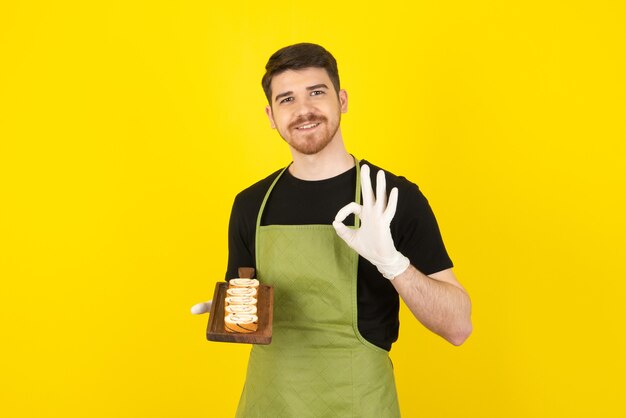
318	364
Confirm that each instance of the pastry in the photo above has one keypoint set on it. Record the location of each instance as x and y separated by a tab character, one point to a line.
240	300
241	291
254	283
240	309
241	323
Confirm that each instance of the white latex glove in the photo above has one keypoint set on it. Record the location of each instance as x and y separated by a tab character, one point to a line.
200	308
373	239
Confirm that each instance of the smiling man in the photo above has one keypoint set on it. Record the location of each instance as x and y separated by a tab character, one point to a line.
337	288
308	119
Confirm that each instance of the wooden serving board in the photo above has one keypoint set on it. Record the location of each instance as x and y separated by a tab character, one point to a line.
265	309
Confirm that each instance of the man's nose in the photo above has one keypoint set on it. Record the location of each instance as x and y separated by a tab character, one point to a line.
304	107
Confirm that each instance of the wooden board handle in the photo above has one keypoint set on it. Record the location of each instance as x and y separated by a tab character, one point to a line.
246	272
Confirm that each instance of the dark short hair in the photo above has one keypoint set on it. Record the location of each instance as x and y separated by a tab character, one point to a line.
296	57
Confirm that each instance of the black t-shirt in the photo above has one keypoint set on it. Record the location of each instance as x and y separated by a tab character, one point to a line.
300	202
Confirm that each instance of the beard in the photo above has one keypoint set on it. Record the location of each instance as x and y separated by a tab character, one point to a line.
309	143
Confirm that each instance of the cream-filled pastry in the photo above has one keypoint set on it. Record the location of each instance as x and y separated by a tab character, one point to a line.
243	283
242	291
241	323
240	309
240	300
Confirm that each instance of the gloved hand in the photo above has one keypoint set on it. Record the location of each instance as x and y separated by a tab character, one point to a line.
200	308
373	239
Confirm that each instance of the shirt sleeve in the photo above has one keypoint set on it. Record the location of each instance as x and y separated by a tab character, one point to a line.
416	232
242	226
240	249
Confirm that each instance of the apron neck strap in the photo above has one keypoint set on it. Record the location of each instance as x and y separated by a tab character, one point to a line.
357	193
357	197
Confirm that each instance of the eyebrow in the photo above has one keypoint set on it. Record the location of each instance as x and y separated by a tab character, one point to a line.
317	86
287	93
310	88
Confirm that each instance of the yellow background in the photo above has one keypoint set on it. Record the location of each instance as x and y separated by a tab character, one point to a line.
127	128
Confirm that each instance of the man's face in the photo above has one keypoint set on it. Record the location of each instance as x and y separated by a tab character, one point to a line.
305	109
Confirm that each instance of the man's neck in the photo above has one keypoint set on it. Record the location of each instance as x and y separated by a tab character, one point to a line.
330	162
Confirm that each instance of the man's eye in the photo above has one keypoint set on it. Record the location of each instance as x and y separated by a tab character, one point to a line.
316	92
286	99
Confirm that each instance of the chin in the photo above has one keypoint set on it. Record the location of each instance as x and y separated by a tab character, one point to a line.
310	148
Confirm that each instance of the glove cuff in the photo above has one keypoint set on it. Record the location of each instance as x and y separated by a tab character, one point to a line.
396	267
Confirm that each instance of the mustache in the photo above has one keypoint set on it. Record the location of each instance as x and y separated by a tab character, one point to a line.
308	118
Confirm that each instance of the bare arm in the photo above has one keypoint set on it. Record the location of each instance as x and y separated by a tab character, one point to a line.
438	301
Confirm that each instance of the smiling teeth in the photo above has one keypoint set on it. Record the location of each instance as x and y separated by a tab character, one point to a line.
312	125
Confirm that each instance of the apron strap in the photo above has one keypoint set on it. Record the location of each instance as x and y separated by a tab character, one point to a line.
357	193
258	218
357	199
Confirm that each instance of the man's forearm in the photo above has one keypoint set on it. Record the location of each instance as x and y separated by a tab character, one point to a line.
442	307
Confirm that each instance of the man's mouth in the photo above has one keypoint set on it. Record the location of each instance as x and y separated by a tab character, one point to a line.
307	126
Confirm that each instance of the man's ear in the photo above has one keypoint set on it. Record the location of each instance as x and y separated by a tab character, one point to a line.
268	111
343	100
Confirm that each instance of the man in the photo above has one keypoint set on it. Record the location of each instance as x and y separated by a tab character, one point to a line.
336	287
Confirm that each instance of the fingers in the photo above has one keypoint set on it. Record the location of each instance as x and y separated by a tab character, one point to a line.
344	232
366	186
347	210
390	211
201	308
380	202
381	190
